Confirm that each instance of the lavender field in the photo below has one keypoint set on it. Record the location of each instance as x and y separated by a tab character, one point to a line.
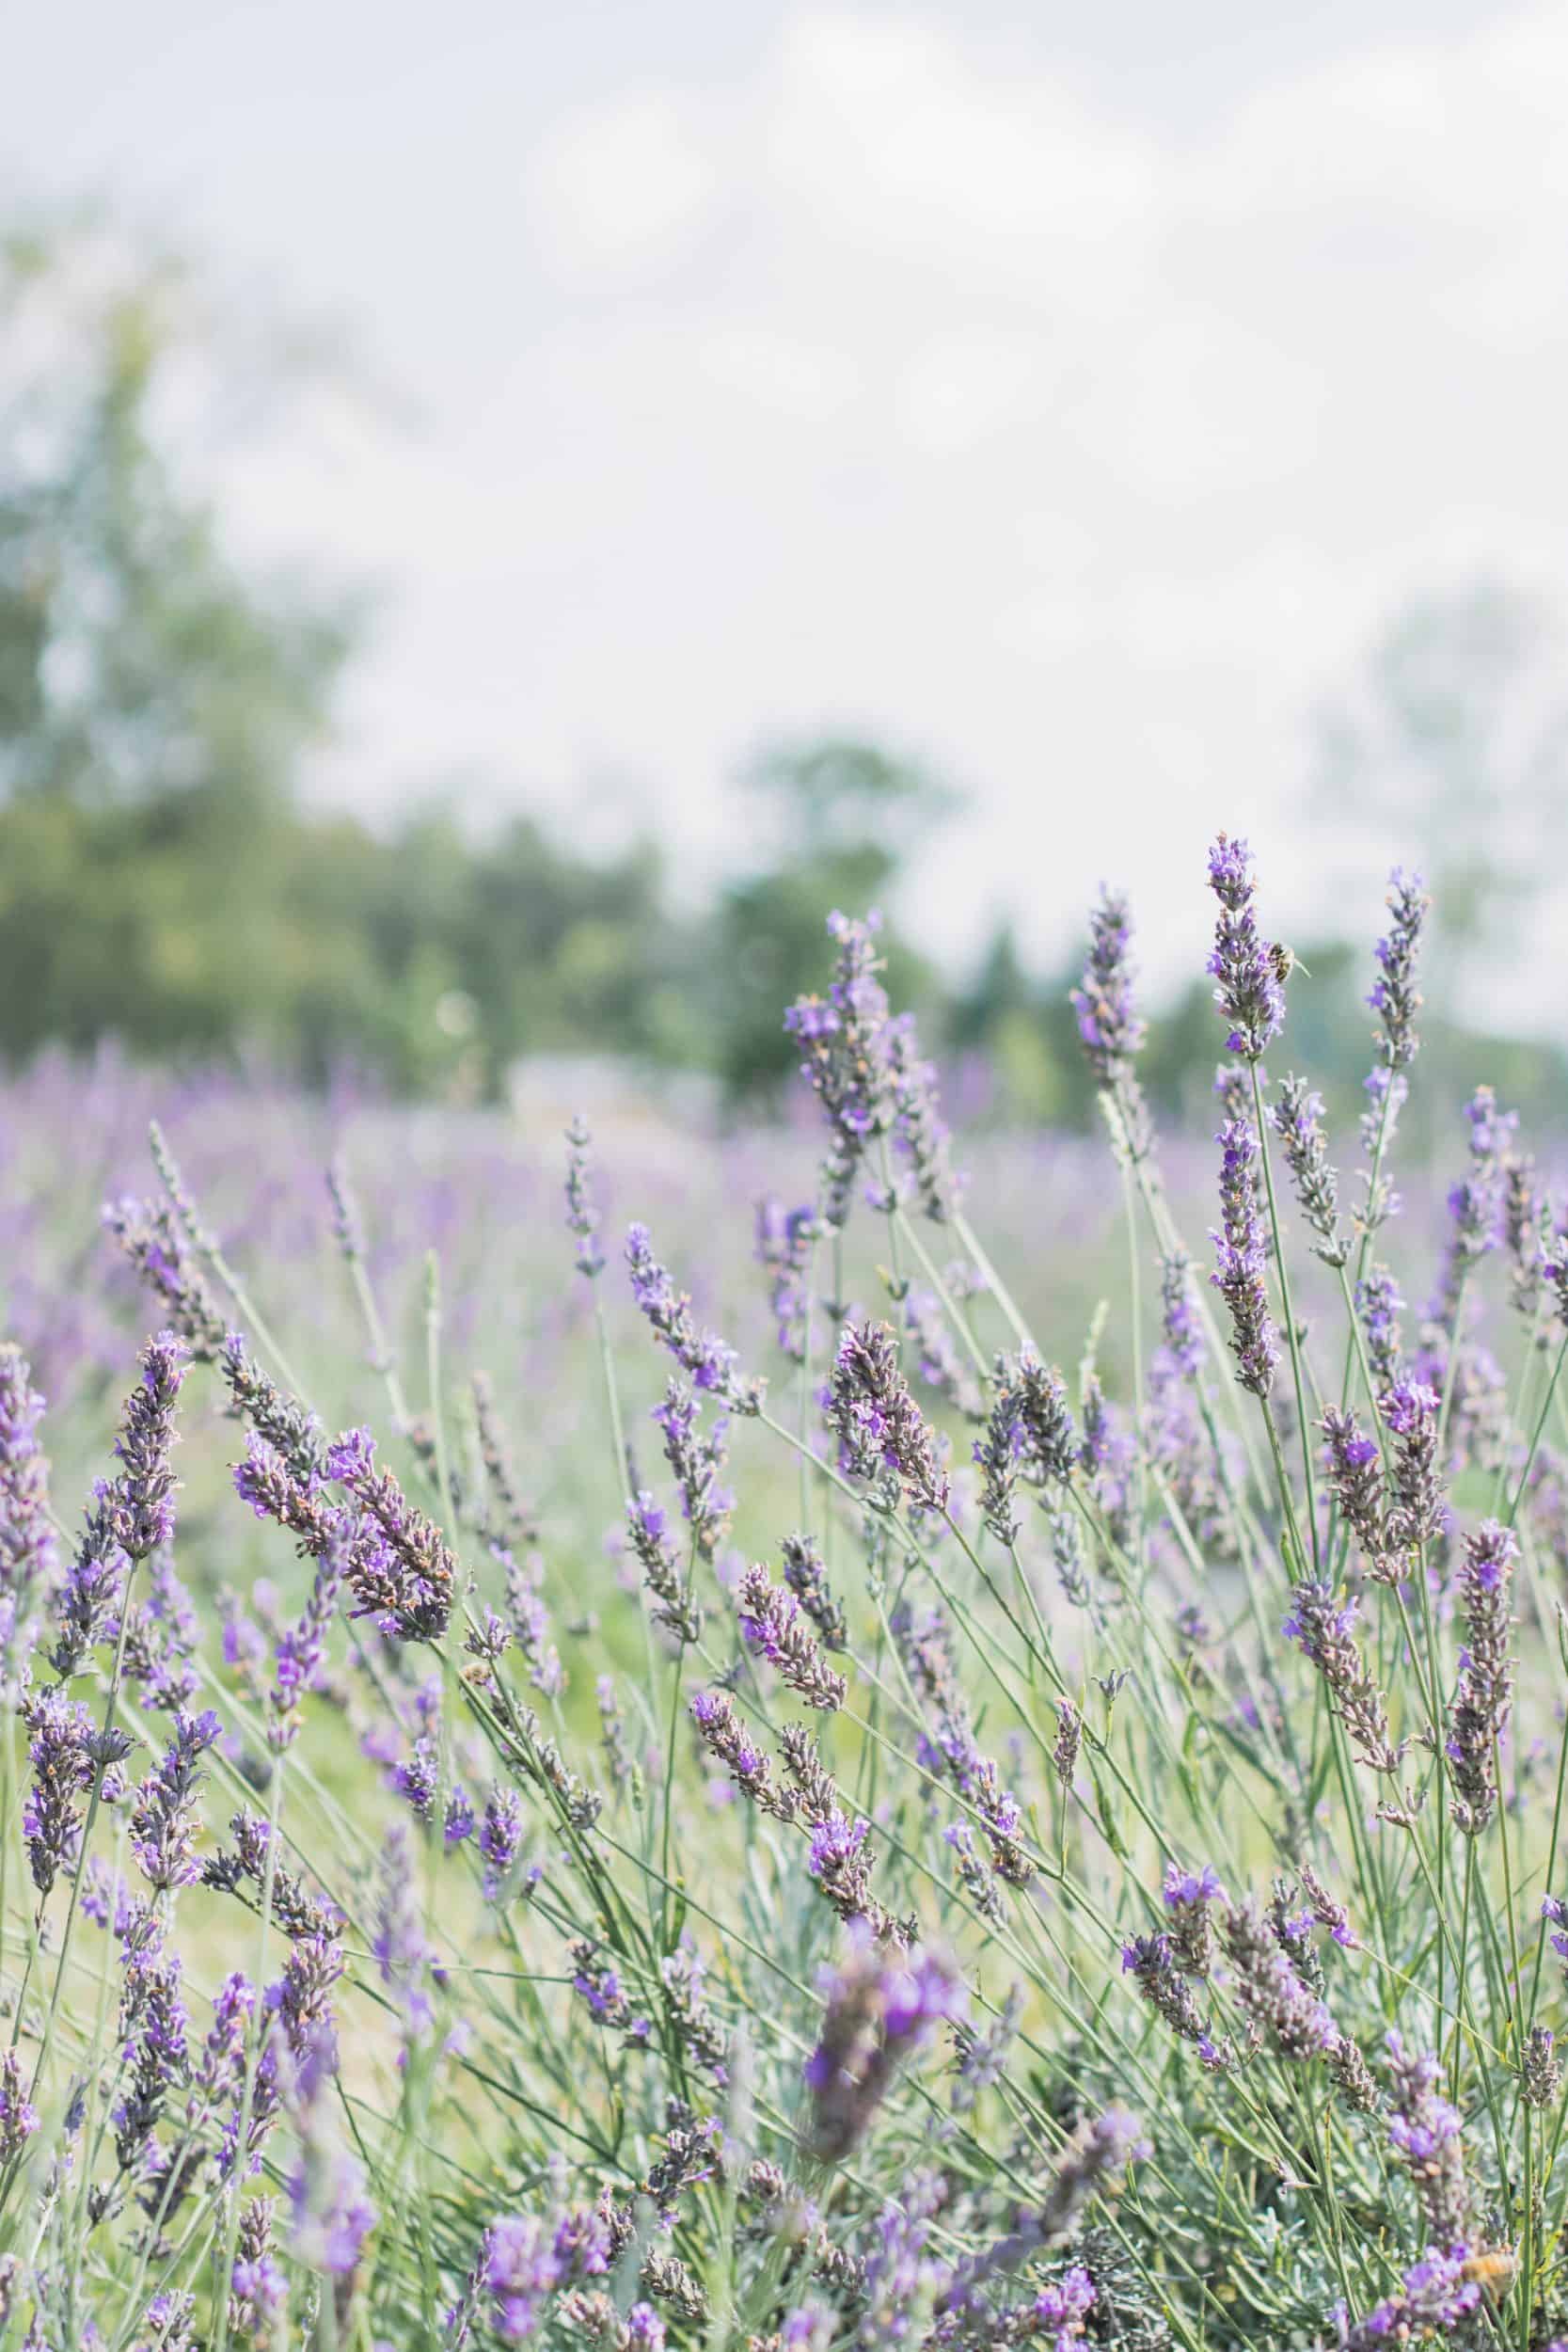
840	1734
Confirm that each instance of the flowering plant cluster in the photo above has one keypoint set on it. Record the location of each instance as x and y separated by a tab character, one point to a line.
877	1819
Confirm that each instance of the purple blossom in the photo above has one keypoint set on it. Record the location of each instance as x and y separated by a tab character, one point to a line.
163	1821
883	1438
583	1215
1241	1259
1248	991
708	1362
773	1626
1483	1701
878	2009
1394	995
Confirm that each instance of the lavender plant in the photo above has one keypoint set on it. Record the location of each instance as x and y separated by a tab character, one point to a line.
1085	1872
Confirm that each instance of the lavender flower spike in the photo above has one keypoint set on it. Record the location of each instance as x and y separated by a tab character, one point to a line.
1425	2130
773	1626
844	1043
1394	997
583	1215
881	1435
1248	991
1483	1703
1297	1120
1323	1629
878	2011
1240	1260
1109	1025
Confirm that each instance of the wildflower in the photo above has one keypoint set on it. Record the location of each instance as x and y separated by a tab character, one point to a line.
1109	1025
1183	1338
784	1242
1297	1120
164	1818
606	1998
878	2012
1240	1260
60	1747
706	1358
28	1548
1151	1962
1540	2069
152	1240
1379	1305
697	1457
582	1216
1435	2299
1475	1222
501	1839
773	1627
713	1713
695	2020
257	2291
1069	1733
883	1438
646	1523
807	1579
1425	2131
1354	1479
1270	1992
1188	1897
18	2116
1323	1627
1527	1212
1394	997
1248	991
844	1043
919	1129
398	1567
1420	1513
1483	1703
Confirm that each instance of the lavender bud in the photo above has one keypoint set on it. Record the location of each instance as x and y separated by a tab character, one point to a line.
1270	1993
807	1579
1240	1260
1323	1629
1540	2070
1483	1703
582	1216
1248	990
1394	997
772	1626
844	1043
1188	1895
883	1438
878	2012
1425	2131
1297	1120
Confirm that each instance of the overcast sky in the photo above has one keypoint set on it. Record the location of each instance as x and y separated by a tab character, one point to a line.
1065	393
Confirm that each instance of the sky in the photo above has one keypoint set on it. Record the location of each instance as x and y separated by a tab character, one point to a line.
1065	396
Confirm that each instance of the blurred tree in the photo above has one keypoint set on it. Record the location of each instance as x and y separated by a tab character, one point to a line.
1455	738
838	816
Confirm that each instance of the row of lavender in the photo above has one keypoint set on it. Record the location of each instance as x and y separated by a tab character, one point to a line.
1083	1873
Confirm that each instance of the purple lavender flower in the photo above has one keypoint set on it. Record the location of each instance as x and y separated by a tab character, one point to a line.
582	1216
397	1565
302	1647
61	1736
1240	1259
1297	1120
1420	1512
846	1060
785	1240
1436	2299
27	1549
807	1579
153	1242
18	2116
883	1436
1248	991
1380	1305
1151	1962
772	1625
144	1488
1109	1026
1540	2069
708	1362
1425	2131
1270	1993
1476	1224
500	1841
1485	1698
878	2011
1324	1629
1183	1337
402	1953
163	1821
647	1524
1354	1479
697	1457
1394	995
1188	1897
919	1129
